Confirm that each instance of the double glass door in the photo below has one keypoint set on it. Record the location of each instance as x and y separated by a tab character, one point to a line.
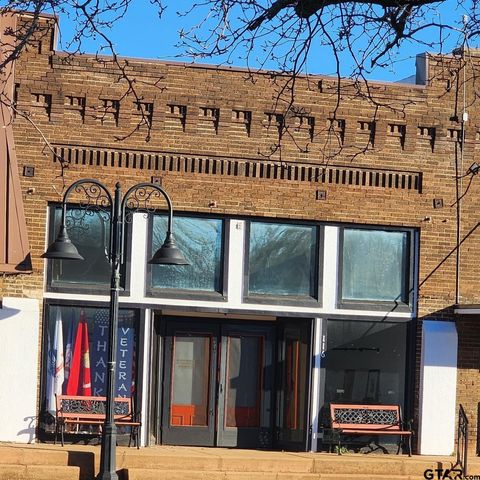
218	382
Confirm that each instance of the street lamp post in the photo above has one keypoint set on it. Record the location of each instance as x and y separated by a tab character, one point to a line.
137	198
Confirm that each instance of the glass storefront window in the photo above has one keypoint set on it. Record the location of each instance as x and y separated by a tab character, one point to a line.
190	375
365	362
200	240
375	265
77	338
282	260
89	231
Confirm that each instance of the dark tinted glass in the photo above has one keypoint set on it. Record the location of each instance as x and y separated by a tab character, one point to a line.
365	362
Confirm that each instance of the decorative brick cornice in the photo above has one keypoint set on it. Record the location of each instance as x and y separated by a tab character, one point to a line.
94	156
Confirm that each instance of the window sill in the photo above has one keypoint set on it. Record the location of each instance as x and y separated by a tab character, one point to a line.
374	306
282	300
84	289
187	295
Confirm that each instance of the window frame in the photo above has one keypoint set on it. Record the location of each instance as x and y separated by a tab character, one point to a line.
408	273
139	322
293	300
186	294
87	288
410	355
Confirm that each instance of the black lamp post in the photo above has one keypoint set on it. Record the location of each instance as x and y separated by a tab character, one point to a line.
137	198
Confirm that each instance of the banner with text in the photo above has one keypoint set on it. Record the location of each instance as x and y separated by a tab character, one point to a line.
99	356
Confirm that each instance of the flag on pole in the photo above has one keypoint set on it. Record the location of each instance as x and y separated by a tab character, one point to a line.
69	349
86	386
79	375
57	364
50	375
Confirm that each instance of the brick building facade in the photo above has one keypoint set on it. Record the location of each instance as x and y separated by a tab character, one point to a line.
343	169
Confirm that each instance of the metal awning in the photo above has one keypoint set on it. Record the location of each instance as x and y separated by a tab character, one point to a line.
14	247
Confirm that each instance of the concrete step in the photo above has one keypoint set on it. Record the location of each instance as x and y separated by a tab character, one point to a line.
38	472
46	456
33	456
214	464
375	465
281	463
154	474
368	477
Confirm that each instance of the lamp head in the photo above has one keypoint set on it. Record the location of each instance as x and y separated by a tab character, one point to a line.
62	248
168	253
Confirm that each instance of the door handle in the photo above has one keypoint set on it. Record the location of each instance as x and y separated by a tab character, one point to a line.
221	388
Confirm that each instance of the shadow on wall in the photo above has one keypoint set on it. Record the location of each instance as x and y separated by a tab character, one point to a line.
31	428
7	312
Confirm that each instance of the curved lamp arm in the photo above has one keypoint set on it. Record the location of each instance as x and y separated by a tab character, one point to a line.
62	247
153	186
79	183
168	253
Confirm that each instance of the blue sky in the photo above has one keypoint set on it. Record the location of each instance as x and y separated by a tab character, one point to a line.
142	34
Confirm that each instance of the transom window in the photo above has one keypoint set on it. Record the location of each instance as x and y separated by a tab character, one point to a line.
89	231
375	265
201	242
282	260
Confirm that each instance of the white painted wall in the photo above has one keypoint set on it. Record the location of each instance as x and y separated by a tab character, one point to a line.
235	261
317	355
330	267
438	383
19	333
146	393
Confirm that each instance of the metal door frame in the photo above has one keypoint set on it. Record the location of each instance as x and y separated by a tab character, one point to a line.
189	435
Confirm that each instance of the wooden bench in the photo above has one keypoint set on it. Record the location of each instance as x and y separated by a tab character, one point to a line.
85	410
369	420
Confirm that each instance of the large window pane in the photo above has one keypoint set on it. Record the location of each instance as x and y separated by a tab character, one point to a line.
282	259
365	362
89	232
77	339
200	240
190	380
244	381
375	265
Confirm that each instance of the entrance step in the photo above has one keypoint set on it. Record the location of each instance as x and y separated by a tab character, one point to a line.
352	465
33	456
148	474
80	462
151	474
368	477
45	462
273	464
38	472
213	463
